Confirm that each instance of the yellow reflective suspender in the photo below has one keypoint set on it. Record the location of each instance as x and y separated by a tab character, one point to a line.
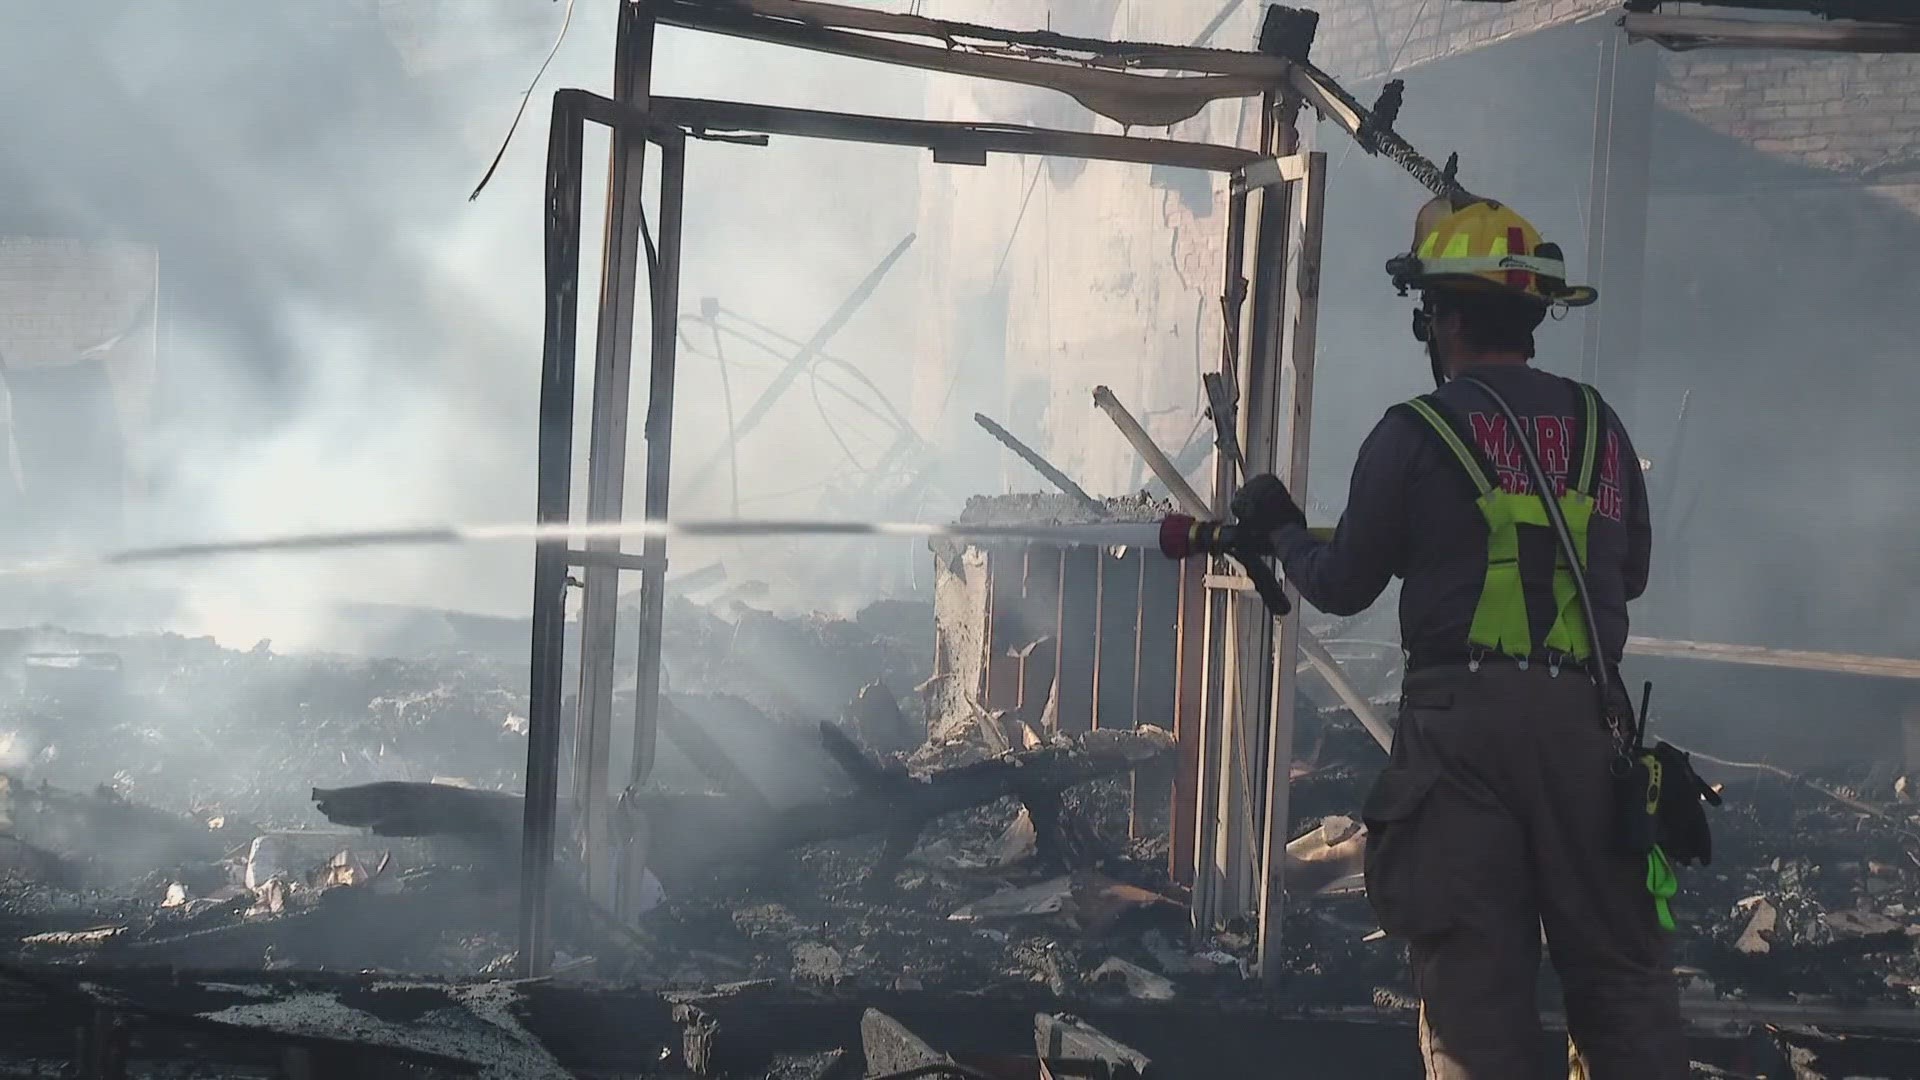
1569	634
1500	618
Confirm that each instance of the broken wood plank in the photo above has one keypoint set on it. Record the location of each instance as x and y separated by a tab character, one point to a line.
697	836
1886	667
1150	452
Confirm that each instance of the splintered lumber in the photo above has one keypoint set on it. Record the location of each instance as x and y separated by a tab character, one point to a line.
409	808
695	836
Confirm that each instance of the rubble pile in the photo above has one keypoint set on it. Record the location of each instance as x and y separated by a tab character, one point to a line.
187	725
165	802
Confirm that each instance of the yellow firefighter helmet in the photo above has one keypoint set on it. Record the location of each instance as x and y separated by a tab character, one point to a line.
1485	246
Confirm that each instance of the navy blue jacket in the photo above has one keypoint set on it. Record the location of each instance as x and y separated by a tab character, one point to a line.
1411	515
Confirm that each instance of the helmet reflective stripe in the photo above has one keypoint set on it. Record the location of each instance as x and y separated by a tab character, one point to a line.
1531	263
1486	241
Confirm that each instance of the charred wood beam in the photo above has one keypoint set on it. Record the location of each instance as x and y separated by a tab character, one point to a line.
707	755
1334	103
1098	74
1040	465
1885	667
1682	33
696	836
901	804
1119	55
949	140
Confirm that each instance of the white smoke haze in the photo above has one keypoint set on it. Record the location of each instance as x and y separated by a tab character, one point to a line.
346	341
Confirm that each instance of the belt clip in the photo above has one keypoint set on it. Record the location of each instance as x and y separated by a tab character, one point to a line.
1473	659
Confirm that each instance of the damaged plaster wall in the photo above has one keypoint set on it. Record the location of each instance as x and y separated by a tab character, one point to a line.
1782	210
1110	272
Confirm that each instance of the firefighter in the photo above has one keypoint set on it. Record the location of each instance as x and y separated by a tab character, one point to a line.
1495	817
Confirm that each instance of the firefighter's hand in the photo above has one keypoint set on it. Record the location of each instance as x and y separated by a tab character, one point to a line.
1264	505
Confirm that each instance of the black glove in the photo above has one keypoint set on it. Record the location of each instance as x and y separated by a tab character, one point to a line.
1682	823
1264	505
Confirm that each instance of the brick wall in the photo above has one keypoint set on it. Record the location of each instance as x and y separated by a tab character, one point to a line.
1364	39
1857	115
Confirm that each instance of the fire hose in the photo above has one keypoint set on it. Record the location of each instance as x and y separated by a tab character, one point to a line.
1177	537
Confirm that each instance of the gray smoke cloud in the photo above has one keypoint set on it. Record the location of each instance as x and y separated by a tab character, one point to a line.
346	340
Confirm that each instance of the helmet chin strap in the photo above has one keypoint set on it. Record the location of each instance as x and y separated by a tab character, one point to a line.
1424	333
1439	366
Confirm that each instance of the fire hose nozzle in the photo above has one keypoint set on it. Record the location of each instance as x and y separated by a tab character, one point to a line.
1184	537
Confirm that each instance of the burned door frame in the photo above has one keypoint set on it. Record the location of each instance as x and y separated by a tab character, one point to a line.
1109	78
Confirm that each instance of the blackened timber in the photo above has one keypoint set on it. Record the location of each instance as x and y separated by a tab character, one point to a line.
698	835
1128	98
616	115
659	435
1680	33
1040	465
1124	55
1334	103
947	137
553	500
607	452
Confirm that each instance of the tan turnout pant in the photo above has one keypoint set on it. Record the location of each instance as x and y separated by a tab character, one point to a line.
1493	819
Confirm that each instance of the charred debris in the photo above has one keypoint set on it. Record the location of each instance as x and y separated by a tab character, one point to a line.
273	861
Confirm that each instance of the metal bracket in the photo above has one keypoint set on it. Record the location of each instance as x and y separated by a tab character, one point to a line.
1222	400
1269	171
619	560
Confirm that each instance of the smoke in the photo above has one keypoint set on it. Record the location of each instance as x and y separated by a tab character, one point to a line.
346	341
